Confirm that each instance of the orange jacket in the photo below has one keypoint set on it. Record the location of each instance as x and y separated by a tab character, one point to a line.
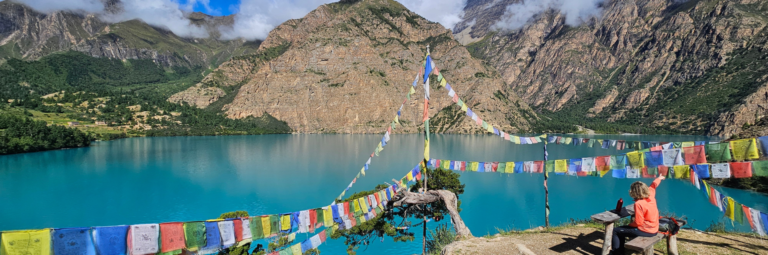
646	211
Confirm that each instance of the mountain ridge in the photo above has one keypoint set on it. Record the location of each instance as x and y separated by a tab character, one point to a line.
347	67
691	67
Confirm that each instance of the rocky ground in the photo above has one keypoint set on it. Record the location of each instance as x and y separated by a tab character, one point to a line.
581	239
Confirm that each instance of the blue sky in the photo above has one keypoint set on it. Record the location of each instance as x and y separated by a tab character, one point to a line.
217	7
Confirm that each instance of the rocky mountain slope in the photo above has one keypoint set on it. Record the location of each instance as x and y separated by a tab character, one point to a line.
697	66
28	34
346	68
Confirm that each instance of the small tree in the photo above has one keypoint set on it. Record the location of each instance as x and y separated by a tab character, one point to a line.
442	199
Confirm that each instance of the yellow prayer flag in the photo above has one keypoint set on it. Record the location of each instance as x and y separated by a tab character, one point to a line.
744	149
363	205
510	168
729	212
413	91
26	242
362	171
636	159
473	166
285	222
443	82
426	150
356	204
516	139
464	107
682	171
396	120
687	144
296	249
409	176
265	226
327	216
561	166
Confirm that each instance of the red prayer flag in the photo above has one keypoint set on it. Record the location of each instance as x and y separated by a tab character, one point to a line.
713	196
312	221
694	155
645	173
746	213
426	110
741	169
663	170
238	229
602	163
172	237
323	235
538	167
378	200
455	98
494	166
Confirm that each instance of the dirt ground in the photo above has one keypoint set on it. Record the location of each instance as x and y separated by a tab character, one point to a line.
589	240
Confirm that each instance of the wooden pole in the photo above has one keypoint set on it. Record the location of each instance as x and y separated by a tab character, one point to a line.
546	188
426	177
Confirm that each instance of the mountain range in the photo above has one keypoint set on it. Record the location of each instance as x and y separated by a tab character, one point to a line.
650	66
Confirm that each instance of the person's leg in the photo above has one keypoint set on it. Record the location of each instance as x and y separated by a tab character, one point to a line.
620	235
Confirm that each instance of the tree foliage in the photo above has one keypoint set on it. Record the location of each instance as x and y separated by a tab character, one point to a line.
22	134
387	222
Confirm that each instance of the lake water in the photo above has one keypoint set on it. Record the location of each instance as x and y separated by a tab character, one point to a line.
152	180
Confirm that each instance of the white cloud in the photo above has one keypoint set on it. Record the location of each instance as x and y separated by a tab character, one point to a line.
206	4
576	12
47	6
446	12
255	18
160	13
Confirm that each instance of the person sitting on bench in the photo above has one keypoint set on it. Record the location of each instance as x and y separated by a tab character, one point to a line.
646	221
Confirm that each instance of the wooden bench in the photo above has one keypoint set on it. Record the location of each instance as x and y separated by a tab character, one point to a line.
645	244
642	244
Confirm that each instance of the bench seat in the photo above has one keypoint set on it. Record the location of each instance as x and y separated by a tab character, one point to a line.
644	244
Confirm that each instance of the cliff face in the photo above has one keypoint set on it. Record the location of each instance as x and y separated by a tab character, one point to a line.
697	66
346	68
28	34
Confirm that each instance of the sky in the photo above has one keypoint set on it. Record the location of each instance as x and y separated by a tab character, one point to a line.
255	18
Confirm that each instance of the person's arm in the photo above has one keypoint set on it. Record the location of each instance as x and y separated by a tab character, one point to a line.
638	216
652	188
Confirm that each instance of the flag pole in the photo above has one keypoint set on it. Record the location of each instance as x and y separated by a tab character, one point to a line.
546	189
426	149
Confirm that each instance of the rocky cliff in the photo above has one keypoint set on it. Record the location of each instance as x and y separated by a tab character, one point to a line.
697	66
346	68
28	34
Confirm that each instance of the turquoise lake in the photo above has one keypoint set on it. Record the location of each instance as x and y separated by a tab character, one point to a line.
153	180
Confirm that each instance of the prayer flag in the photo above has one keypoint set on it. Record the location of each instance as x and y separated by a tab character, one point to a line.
519	167
654	158
561	166
744	149
672	157
172	237
72	241
618	162
110	240
427	68
26	242
194	235
702	170
143	238
633	173
619	173
509	167
681	171
718	152
213	236
741	169
695	155
721	170
636	159
760	168
227	231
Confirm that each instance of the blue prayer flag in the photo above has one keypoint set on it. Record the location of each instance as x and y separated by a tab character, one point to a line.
481	167
619	173
306	245
110	240
427	68
448	86
519	167
763	141
701	170
212	236
72	241
654	158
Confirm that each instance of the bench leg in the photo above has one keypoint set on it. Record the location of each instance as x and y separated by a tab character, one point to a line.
608	238
672	245
649	251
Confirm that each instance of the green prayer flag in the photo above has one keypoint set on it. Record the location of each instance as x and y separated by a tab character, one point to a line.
718	152
320	216
550	166
274	222
760	168
194	234
653	171
738	213
439	76
256	230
